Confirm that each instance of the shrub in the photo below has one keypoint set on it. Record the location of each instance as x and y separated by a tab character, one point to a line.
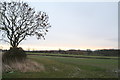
14	54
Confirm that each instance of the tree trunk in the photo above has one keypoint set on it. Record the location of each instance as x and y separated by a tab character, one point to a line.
14	44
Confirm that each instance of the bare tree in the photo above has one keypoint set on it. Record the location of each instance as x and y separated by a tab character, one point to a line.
18	21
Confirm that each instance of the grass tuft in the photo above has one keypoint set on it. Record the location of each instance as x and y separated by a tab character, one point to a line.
24	66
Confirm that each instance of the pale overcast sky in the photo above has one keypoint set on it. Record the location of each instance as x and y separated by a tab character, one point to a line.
77	25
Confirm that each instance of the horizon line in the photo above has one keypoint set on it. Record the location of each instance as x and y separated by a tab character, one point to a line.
65	49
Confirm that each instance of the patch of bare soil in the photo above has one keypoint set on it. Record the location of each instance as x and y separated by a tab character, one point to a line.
24	66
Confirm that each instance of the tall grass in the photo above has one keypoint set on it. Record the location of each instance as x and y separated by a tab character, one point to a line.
23	66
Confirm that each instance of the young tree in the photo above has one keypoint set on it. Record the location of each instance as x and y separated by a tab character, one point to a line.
18	21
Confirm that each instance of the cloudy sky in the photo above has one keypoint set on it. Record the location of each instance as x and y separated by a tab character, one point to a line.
76	25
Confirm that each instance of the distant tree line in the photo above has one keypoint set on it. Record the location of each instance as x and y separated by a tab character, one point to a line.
103	52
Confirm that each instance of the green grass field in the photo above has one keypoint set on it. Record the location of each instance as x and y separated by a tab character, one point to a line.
70	55
69	67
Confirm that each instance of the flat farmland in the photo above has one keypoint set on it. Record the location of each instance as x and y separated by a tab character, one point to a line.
70	67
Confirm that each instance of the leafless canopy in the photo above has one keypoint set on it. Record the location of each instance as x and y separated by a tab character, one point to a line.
18	21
